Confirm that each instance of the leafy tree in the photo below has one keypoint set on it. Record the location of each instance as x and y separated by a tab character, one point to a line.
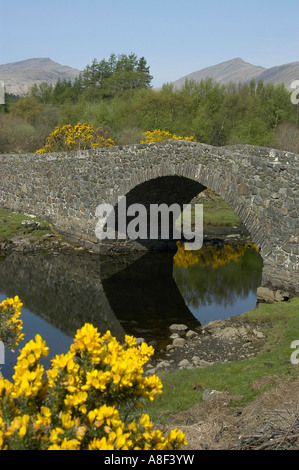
117	74
65	91
116	93
42	92
27	108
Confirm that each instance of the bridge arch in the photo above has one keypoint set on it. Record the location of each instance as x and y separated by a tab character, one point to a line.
162	184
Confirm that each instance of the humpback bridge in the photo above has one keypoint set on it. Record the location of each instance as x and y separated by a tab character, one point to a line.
259	184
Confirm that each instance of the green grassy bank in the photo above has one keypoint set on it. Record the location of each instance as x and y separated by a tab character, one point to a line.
216	212
11	226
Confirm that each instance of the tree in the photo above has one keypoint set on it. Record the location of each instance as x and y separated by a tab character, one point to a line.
27	108
42	92
117	74
65	90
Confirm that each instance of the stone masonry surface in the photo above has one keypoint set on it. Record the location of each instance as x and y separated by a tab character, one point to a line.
259	184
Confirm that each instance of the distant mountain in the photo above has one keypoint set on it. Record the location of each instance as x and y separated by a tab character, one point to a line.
18	77
239	71
286	74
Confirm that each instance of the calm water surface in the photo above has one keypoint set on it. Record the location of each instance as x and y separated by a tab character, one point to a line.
138	294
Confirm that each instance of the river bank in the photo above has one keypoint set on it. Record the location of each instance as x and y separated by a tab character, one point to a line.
234	386
221	371
39	240
219	341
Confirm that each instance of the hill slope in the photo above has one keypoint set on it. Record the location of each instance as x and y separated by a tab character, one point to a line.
286	74
235	70
18	77
239	71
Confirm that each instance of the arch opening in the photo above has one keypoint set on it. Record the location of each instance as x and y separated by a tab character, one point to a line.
175	193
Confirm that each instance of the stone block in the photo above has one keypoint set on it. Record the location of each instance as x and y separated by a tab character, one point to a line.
265	294
178	327
179	342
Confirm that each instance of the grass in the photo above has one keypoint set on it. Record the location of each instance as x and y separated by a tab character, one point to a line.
183	389
219	215
216	212
11	226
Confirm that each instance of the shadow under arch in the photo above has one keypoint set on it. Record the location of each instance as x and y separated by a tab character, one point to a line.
160	186
69	289
146	290
166	190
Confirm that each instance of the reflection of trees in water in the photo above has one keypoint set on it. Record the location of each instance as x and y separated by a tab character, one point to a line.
210	255
217	274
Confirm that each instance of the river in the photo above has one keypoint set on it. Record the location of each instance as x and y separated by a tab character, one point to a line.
138	294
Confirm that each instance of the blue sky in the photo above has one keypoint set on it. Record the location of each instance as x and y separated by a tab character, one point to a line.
176	37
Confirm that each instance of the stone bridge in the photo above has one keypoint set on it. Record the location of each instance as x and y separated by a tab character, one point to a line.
259	184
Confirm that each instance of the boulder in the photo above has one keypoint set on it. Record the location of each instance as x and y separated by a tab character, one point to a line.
178	327
265	294
191	334
184	363
174	335
179	342
30	223
162	365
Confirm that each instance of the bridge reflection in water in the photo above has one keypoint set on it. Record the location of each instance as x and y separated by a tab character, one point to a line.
138	294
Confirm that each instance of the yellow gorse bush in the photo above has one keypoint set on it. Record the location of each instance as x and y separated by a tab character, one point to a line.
10	323
78	137
83	401
157	135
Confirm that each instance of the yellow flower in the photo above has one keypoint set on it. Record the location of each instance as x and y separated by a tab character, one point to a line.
43	418
24	424
100	444
11	310
76	406
75	399
157	135
80	136
55	433
97	379
146	422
